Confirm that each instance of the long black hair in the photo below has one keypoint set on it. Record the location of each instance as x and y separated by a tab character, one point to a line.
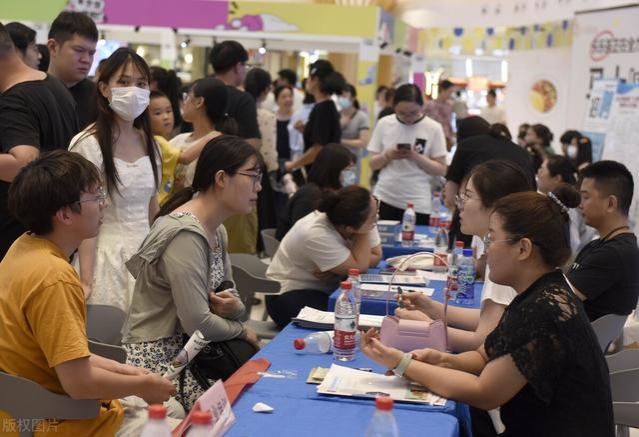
106	129
226	153
215	96
170	84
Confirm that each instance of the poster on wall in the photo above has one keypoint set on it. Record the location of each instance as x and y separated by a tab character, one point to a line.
621	139
605	46
597	118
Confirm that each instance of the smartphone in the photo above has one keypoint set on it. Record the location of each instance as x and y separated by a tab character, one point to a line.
225	285
403	146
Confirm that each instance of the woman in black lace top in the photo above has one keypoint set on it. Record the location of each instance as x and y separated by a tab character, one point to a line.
542	364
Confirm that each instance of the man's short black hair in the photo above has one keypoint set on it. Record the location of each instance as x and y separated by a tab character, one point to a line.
445	84
55	180
6	44
612	178
226	55
69	23
288	75
21	35
568	136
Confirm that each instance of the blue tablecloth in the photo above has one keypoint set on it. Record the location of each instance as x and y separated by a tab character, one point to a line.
299	409
398	249
378	307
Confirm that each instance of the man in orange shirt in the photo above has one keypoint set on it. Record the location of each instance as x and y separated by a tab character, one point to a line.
59	199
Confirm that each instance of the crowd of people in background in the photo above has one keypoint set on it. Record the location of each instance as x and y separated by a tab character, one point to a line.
146	184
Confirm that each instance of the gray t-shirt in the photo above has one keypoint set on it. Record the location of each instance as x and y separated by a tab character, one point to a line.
357	123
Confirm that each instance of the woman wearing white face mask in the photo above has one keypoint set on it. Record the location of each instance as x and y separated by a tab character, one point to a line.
408	149
354	122
121	144
334	168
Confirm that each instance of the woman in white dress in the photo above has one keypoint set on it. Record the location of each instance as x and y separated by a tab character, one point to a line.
121	144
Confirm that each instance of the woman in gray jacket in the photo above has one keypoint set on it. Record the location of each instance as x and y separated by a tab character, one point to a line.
183	261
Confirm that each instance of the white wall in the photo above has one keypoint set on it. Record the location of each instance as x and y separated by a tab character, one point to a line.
525	67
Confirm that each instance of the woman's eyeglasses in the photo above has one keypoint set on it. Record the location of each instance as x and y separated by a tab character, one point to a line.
488	241
256	177
462	198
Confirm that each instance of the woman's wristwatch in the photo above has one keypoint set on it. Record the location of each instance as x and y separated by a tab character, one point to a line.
403	364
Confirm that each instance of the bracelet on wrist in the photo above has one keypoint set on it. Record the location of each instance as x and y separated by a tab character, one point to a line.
403	364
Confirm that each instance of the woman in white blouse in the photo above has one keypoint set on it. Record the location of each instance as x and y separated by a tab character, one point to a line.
468	328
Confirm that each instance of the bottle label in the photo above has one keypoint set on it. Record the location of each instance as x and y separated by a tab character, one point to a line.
408	235
345	330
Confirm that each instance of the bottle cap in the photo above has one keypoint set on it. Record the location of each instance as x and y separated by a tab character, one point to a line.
202	418
384	403
468	252
410	205
346	285
443	224
157	411
299	344
459	244
353	272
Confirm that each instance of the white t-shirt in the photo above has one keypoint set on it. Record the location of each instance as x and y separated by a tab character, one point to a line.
401	181
493	115
313	244
500	294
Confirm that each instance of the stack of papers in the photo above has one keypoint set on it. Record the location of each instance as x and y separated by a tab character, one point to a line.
344	381
324	320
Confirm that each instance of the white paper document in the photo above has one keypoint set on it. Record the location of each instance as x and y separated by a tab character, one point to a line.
311	318
344	381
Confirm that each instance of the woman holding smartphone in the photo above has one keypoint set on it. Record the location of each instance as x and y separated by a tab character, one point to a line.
408	148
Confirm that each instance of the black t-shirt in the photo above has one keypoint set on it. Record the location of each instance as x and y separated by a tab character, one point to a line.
241	106
607	273
547	333
323	125
283	140
386	111
39	113
85	94
481	148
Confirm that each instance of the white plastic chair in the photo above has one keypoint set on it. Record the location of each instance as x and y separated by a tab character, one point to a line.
624	386
116	353
270	242
28	403
608	328
247	285
104	323
625	360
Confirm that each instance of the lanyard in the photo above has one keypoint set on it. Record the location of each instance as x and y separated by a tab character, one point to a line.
604	239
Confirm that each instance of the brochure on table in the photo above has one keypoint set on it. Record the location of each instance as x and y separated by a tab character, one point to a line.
344	381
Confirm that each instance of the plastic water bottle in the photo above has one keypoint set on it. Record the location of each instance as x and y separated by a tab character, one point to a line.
345	325
383	423
354	279
455	257
441	246
437	208
202	425
315	343
408	224
466	278
157	425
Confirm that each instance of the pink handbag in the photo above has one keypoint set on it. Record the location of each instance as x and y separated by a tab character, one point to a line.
408	335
